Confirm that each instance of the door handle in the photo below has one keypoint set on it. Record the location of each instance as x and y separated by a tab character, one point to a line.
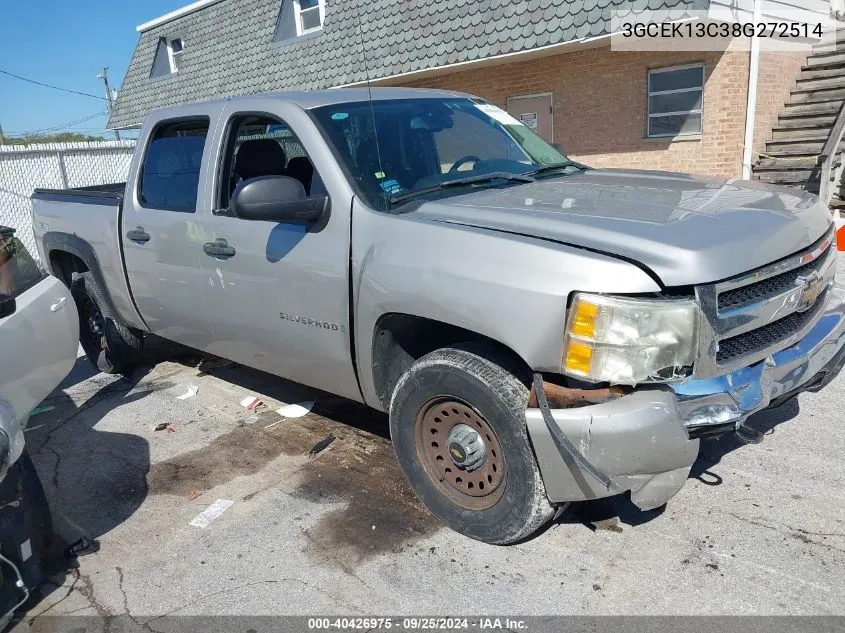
60	303
219	249
138	235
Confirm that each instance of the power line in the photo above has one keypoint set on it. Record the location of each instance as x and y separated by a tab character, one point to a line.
64	126
38	83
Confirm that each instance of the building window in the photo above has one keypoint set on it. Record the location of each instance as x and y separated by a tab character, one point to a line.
675	100
300	17
309	15
168	57
175	49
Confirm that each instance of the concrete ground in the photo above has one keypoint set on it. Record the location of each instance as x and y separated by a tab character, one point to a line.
758	529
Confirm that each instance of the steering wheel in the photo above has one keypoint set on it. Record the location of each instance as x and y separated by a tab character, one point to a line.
462	161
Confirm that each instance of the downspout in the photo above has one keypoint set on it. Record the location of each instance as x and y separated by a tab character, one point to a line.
751	107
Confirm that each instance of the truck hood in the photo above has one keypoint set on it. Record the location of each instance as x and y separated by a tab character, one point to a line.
686	230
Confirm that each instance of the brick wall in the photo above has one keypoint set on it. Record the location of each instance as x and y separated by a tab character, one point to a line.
778	72
600	105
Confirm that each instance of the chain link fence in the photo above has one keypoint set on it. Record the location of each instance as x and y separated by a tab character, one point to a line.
54	166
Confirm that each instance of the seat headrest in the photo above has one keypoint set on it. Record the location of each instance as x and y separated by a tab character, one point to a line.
261	157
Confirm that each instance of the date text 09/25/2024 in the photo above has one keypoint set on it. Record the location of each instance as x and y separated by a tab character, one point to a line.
417	624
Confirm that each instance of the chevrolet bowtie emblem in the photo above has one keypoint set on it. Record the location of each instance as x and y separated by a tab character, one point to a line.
812	286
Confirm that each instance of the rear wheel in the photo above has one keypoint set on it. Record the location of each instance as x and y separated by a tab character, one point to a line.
457	419
109	344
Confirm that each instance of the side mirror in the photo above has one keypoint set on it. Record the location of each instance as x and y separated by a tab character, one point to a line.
7	305
277	199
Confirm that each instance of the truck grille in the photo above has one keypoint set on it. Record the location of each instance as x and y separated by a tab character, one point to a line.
747	318
768	335
767	288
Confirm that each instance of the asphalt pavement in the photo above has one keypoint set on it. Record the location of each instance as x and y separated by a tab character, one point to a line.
758	529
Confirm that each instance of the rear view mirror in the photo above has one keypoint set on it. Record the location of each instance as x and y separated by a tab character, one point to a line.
277	199
7	305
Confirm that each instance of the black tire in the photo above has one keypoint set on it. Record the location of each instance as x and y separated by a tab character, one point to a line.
109	344
466	375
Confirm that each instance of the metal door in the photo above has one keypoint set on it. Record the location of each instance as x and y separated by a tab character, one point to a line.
535	112
162	234
278	294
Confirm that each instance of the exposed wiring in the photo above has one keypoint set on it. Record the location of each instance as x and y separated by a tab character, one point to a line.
39	83
20	584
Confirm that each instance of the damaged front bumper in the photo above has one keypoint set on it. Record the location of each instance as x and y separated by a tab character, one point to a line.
647	441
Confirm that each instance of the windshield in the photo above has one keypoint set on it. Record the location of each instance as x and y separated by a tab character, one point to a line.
426	144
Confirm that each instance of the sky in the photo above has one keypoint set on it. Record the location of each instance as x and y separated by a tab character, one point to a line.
66	44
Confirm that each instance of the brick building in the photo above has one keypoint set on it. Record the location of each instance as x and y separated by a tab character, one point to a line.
549	62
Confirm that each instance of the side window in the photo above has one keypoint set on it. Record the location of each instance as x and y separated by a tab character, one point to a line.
170	174
262	146
18	270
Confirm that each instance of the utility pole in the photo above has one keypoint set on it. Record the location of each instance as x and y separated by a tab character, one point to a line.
104	75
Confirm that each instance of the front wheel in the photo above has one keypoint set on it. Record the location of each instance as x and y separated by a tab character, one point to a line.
457	420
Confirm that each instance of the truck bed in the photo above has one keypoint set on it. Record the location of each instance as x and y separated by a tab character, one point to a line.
98	193
86	222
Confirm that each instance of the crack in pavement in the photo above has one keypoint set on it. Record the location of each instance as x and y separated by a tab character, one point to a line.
203	597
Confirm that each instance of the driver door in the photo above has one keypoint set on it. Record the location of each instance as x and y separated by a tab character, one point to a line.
278	293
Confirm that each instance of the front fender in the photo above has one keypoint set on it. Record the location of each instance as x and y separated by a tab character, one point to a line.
508	288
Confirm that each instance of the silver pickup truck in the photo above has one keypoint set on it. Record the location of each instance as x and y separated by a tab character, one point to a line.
539	332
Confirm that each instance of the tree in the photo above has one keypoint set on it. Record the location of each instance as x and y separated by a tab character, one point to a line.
62	137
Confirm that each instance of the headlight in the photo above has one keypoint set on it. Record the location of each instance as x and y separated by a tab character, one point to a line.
629	341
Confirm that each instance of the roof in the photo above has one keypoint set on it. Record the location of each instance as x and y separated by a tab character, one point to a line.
229	46
310	99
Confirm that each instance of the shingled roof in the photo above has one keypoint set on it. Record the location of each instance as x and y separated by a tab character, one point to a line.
230	47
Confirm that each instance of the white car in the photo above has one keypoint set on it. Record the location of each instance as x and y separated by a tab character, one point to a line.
39	335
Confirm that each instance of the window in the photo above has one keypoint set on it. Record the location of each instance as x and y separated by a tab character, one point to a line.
300	17
309	15
263	146
168	57
18	270
675	99
397	148
171	171
175	49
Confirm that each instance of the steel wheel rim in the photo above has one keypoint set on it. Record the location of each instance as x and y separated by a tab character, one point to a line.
94	322
477	489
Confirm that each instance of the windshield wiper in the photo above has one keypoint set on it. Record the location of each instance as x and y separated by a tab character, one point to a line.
555	166
469	180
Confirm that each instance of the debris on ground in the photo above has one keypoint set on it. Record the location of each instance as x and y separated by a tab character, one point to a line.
190	393
83	547
162	426
207	516
322	445
250	402
194	494
251	419
270	426
170	428
42	409
295	410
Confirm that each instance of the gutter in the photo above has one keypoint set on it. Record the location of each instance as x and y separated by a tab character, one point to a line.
751	107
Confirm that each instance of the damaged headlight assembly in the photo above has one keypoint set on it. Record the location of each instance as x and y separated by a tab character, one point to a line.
626	341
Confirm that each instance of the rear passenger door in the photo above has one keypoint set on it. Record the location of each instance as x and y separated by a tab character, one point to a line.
162	235
279	299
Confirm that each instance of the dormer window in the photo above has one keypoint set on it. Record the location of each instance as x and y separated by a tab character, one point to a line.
300	17
168	57
309	15
175	49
